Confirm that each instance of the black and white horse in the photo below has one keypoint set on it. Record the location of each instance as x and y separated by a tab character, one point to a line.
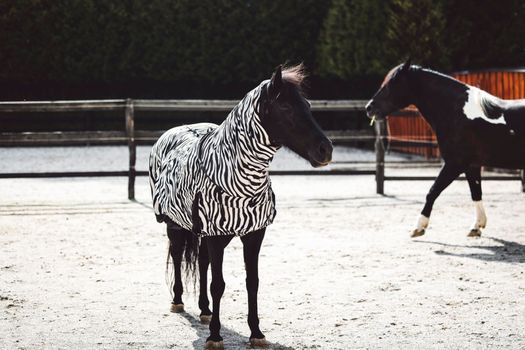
473	129
211	183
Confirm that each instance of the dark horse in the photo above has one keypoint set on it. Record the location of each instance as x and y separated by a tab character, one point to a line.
473	129
211	183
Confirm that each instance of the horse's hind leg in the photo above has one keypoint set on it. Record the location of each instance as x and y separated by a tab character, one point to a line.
251	247
177	239
474	181
447	174
204	262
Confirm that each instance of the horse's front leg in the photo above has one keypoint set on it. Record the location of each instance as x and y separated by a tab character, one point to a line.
474	181
204	303
447	174
251	247
216	245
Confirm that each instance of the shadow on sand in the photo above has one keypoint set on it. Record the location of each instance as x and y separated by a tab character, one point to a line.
505	251
232	339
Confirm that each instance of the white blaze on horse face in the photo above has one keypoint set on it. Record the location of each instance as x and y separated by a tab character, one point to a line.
481	218
473	110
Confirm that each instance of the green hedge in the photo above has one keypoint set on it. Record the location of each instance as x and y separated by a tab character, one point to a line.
47	46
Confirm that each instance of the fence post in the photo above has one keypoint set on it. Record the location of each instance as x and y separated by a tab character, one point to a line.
130	133
523	180
380	127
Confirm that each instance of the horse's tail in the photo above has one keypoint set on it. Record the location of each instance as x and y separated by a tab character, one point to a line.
190	254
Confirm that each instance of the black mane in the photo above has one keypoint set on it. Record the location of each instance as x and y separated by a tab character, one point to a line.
436	77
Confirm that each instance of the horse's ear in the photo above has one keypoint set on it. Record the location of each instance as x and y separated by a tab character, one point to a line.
276	82
406	65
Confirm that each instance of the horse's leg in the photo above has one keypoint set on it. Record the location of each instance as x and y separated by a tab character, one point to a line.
447	174
251	247
474	181
204	262
177	242
216	245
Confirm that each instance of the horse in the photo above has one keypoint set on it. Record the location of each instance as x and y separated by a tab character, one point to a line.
473	129
210	183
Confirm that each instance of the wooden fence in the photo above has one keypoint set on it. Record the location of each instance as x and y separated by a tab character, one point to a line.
130	136
507	84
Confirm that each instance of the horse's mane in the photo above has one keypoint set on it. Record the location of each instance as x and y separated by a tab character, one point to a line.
294	75
442	75
416	68
445	78
390	74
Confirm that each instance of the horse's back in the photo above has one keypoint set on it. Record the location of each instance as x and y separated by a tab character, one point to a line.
182	134
174	140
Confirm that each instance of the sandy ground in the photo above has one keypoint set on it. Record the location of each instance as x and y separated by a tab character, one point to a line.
83	268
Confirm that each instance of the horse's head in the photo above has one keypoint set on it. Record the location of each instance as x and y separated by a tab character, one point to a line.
395	93
286	117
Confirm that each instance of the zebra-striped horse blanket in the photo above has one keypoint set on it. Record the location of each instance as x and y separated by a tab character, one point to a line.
213	180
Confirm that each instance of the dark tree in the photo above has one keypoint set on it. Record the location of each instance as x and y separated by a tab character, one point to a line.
352	39
485	34
416	29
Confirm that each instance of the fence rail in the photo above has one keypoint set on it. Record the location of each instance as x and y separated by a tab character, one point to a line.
131	137
161	105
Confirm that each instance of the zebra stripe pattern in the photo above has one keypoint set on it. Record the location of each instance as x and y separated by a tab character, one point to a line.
213	180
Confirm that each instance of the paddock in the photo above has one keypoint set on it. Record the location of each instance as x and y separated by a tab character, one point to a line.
82	267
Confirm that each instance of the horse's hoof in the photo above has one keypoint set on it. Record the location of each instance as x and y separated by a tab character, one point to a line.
205	319
262	342
474	233
177	308
417	233
210	344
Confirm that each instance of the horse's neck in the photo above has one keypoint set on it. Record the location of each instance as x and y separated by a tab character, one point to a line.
239	152
437	97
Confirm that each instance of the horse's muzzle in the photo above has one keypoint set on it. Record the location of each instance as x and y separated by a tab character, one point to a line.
373	111
369	108
322	154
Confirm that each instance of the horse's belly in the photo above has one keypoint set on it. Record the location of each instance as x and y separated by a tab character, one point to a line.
222	214
481	144
506	151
